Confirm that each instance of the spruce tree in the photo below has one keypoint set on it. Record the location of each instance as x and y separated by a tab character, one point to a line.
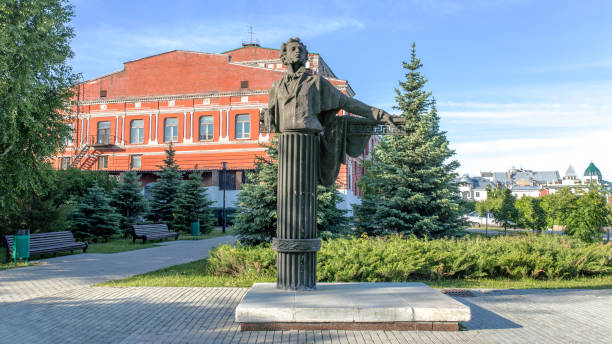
332	222
94	217
165	191
409	184
192	204
255	217
128	201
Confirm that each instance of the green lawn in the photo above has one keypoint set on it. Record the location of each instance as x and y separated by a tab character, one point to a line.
217	232
195	274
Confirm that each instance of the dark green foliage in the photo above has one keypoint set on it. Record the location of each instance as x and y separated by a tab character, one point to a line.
409	184
558	206
255	217
192	204
331	221
590	214
94	217
48	209
530	213
503	206
165	191
400	259
35	88
129	202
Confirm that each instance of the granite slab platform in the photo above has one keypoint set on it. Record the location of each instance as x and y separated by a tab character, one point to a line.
350	306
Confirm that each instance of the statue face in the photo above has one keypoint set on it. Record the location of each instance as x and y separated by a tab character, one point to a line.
295	53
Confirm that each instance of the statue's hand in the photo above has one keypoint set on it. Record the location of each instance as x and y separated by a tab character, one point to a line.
397	123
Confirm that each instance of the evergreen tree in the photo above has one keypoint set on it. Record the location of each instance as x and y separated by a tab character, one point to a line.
165	191
505	210
192	204
589	216
129	201
255	217
331	221
94	217
409	185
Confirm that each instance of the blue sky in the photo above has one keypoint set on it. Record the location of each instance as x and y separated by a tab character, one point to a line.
518	83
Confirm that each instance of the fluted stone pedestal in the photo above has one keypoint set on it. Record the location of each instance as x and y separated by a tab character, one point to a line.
296	239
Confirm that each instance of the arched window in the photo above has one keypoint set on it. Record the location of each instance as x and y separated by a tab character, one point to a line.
103	132
171	130
137	131
243	126
206	128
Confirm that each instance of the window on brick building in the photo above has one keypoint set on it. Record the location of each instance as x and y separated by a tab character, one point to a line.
137	131
206	128
104	129
243	126
68	141
135	161
65	163
102	162
102	93
244	84
171	130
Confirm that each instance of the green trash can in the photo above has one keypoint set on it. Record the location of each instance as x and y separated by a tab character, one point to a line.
21	245
195	227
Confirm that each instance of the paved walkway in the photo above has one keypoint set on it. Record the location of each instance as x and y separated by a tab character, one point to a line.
80	270
206	315
55	303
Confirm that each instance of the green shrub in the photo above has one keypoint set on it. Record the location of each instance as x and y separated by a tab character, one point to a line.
396	258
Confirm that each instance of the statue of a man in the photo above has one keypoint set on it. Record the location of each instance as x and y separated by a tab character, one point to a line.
305	103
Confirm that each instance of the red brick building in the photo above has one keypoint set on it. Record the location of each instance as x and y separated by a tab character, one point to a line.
207	105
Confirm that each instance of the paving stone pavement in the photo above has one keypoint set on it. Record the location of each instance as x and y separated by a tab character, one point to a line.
206	315
80	270
55	303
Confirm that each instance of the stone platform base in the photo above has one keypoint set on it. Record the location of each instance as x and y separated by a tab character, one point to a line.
350	306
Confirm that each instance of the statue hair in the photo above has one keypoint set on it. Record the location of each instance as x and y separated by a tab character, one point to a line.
283	49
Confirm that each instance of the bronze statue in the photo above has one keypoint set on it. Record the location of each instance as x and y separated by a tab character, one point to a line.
313	143
305	103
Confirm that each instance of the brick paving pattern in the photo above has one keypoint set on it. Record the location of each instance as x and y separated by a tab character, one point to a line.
54	303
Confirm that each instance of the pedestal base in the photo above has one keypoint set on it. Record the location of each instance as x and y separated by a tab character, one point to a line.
350	306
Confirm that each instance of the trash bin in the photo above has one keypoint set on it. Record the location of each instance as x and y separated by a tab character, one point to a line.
195	227
21	245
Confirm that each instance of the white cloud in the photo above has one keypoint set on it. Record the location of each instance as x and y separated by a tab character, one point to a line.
118	44
538	153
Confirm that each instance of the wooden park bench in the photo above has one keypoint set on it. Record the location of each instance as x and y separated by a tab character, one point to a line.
43	243
152	232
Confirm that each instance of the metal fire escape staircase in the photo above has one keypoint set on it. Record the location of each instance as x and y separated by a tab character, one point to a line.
80	155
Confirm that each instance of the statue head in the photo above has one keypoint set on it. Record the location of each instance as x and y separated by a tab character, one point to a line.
293	51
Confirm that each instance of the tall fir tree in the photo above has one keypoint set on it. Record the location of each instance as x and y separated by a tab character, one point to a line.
165	191
255	217
409	184
94	218
192	204
129	202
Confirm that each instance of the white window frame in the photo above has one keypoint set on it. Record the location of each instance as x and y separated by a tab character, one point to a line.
139	156
243	127
136	139
209	128
171	138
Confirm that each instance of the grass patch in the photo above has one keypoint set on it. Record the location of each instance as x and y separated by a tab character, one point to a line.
119	245
217	232
194	274
197	274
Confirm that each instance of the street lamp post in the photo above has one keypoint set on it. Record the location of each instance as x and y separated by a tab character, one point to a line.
223	184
